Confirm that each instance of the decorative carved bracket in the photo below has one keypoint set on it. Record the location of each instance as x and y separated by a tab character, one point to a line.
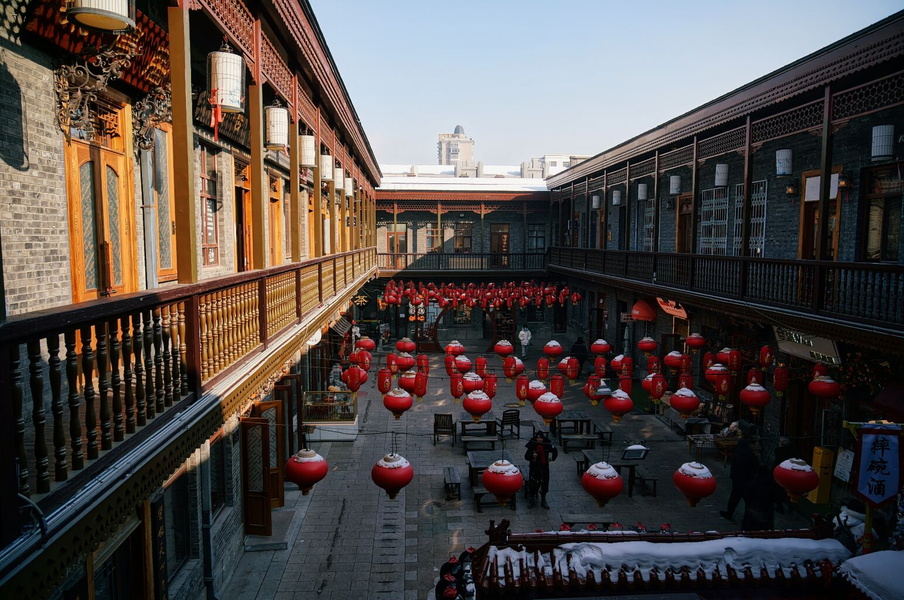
155	108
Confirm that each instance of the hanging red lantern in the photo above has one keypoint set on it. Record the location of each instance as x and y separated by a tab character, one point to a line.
477	404
722	384
405	345
305	468
575	298
797	477
686	380
734	361
695	342
490	385
365	343
449	361
557	385
405	361
535	389
685	401
456	386
660	385
364	359
627	366
543	368
552	349
713	373
480	366
420	385
548	406
423	363
686	363
503	348
354	377
562	365
503	480
603	391
572	369
591	389
392	363
672	360
600	346
509	367
695	481
722	356
602	482
820	370
766	357
599	366
471	382
754	375
647	345
616	363
755	396
397	401
462	363
455	348
406	380
781	378
625	384
653	364
384	380
824	387
392	473
646	384
353	357
618	404
709	359
521	386
519	366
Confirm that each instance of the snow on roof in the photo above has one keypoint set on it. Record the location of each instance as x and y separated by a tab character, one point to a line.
462	184
877	575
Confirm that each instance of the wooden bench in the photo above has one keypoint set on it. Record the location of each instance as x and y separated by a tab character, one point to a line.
480	492
587	439
603	433
643	477
536	426
580	463
452	482
602	519
466	440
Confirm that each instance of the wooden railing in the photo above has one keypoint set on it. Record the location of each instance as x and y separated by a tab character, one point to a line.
78	380
440	261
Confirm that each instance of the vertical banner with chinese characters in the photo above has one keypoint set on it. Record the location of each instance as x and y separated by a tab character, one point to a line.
879	474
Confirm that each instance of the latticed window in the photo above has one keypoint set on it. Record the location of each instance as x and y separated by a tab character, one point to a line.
713	231
210	202
647	233
883	219
463	233
756	243
434	239
536	237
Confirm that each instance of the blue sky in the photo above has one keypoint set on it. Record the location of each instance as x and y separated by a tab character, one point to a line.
530	77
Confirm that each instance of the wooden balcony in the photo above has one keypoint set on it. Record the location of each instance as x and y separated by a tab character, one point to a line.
528	264
164	368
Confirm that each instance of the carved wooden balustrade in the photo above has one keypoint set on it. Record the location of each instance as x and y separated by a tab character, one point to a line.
442	261
79	380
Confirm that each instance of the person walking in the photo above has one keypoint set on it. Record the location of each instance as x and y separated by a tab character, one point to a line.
744	466
540	452
758	497
524	337
579	351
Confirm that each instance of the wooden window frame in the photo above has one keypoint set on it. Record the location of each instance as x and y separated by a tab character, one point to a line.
209	204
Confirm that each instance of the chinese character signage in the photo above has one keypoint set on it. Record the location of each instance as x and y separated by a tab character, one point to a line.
879	475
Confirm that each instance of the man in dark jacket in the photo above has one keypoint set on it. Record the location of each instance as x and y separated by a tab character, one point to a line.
758	514
744	466
579	351
540	452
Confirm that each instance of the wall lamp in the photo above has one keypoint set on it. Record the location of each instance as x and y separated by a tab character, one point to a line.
669	203
844	182
791	189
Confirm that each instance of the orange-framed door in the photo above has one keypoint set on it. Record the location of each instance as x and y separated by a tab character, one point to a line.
684	224
397	244
255	476
243	212
273	412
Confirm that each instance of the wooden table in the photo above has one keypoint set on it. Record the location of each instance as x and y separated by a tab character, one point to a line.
696	443
575	419
468	425
479	460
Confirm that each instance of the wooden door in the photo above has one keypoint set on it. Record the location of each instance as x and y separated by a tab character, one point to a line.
684	224
243	234
255	476
273	412
499	245
101	207
397	244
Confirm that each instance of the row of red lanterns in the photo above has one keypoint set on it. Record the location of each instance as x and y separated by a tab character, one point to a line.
508	295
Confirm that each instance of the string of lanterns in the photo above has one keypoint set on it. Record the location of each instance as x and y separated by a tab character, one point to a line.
508	295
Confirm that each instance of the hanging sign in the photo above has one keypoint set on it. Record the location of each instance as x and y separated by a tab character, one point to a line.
879	475
670	307
804	345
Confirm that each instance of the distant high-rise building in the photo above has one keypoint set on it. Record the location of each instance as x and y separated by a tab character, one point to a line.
455	148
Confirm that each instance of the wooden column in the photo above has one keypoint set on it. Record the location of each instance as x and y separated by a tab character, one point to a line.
295	208
657	212
746	200
695	212
259	183
343	214
317	214
187	252
333	213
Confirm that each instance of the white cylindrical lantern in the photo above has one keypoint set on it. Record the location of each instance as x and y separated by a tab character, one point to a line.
675	184
641	191
227	80
108	16
277	118
721	175
616	197
308	151
783	164
595	202
326	167
883	142
338	178
349	186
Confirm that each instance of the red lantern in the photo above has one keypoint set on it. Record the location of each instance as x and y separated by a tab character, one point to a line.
627	366
797	477
734	361
660	385
397	401
365	343
364	359
673	360
647	383
471	382
455	348
423	363
535	389
548	406
695	481
552	349
354	377
625	384
392	473
503	348
755	396
781	377
462	363
572	369
713	373
575	298
616	363
723	356
824	387
619	404
686	363
406	381
405	345
600	346
686	380
820	370
652	364
766	357
384	380
456	385
503	480
602	482
477	404
709	359
647	345
405	361
490	385
521	384
420	385
449	361
695	341
509	367
543	368
563	366
305	469
557	385
480	366
354	358
685	401
603	391
722	384
392	363
599	366
754	375
590	389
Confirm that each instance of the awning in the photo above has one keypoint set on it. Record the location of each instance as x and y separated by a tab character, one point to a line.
341	326
642	311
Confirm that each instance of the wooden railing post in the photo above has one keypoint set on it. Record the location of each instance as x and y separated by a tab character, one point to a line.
193	344
262	310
